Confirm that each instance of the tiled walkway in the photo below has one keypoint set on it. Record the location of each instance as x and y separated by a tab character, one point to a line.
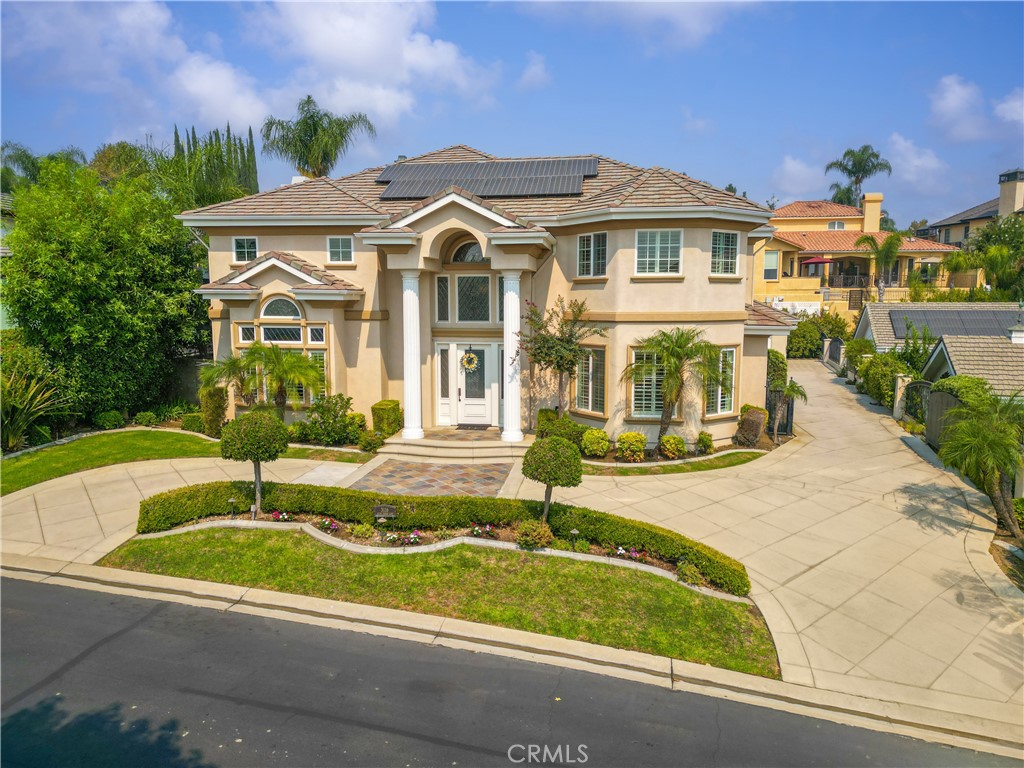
414	479
455	434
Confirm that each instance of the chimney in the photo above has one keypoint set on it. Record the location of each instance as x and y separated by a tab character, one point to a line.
298	179
872	207
1011	191
1016	333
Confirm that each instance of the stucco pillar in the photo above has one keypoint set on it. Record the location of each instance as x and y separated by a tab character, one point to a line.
899	400
412	389
513	429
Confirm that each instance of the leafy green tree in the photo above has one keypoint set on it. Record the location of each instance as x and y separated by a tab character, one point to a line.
857	165
205	170
121	160
885	256
101	281
683	357
983	439
555	462
998	250
785	393
553	340
257	437
315	140
21	167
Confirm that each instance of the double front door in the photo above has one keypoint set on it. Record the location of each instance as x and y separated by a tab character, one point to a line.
469	383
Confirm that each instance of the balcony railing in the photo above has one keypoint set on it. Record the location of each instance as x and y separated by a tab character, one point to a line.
849	281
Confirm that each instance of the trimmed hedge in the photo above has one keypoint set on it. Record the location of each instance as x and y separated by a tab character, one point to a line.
387	417
565	428
192	422
182	506
213	405
963	388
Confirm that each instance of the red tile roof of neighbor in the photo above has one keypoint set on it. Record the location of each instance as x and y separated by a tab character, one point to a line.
616	185
844	241
327	280
815	209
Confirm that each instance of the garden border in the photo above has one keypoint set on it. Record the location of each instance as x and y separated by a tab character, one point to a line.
437	547
690	460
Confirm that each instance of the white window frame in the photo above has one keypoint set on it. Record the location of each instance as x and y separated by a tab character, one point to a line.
322	329
736	258
271	300
633	412
764	268
315	395
592	272
636	252
263	335
588	361
490	309
234	249
718	409
837	226
241	339
341	260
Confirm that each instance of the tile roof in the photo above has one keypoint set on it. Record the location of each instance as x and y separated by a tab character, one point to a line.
458	153
764	315
878	319
816	209
321	196
986	210
844	241
327	280
995	359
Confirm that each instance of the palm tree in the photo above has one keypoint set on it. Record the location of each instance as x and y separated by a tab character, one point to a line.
315	140
983	439
280	370
784	395
234	371
1002	267
859	164
844	194
21	167
885	256
681	355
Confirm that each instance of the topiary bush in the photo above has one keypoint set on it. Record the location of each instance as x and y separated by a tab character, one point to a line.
706	443
544	415
370	441
387	417
565	428
595	443
533	534
192	422
964	388
672	447
109	420
778	368
146	419
213	406
167	510
553	461
630	446
257	437
751	427
879	374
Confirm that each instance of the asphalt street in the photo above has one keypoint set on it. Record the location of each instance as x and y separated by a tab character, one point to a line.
91	679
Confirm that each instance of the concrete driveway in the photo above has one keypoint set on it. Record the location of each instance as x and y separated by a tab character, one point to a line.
869	562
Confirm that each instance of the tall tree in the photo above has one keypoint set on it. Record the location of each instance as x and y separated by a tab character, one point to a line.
887	223
21	166
884	254
844	194
315	140
681	357
860	164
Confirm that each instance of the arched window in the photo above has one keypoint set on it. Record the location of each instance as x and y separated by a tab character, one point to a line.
468	253
281	308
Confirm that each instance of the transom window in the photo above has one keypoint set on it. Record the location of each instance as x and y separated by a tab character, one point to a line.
724	250
281	308
837	225
468	253
245	249
281	334
658	252
718	397
247	333
590	381
647	392
592	255
771	265
339	250
474	299
316	335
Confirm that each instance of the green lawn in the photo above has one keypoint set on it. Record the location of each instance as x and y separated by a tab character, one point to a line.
17	472
580	601
713	462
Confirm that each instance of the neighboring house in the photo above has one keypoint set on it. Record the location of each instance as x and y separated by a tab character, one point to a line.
809	260
886	324
999	360
409	281
6	222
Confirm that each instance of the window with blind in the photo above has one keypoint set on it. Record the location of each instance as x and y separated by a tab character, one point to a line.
719	397
658	252
771	265
647	392
590	381
592	255
724	250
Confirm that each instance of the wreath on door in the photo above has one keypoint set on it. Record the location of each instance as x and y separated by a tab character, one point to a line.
469	362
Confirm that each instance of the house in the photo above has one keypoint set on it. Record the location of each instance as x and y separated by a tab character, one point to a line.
887	324
809	261
408	281
957	229
999	360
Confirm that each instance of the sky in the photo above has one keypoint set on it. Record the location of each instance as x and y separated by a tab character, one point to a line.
760	95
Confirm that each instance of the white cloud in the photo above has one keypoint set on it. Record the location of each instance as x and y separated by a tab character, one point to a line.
958	108
918	167
536	74
216	92
1011	108
694	124
796	179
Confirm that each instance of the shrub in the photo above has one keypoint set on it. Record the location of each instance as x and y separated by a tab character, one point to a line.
544	415
192	422
355	426
330	423
856	349
964	388
805	338
688	573
595	443
297	432
565	428
555	462
533	534
257	437
363	531
387	417
672	447
213	405
879	374
108	420
751	427
146	419
778	368
1018	511
167	510
630	446
174	410
39	434
370	441
748	407
705	444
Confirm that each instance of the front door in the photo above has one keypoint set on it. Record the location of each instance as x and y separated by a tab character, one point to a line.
474	390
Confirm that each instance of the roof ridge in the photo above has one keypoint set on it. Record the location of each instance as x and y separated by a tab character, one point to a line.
483	155
633	185
358	199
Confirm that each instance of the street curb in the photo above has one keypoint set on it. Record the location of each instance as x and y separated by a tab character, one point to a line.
999	733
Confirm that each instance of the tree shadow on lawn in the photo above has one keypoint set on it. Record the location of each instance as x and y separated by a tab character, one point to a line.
46	735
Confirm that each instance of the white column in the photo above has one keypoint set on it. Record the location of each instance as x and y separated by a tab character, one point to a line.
513	429
411	373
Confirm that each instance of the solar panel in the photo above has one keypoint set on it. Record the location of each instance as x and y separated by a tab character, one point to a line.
950	322
489	178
